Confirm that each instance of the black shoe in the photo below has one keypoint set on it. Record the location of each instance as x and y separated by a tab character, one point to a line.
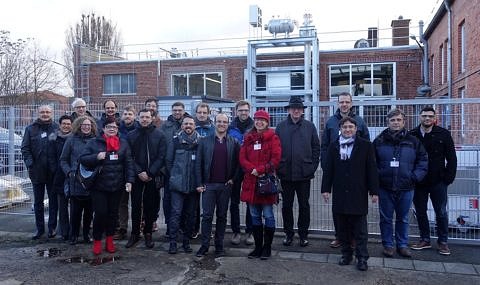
37	235
345	260
288	240
148	241
202	251
362	265
133	240
303	242
52	234
186	247
173	248
65	238
219	252
73	240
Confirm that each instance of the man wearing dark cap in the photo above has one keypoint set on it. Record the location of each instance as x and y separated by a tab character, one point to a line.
300	159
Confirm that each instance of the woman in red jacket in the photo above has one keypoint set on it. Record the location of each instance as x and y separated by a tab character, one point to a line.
260	154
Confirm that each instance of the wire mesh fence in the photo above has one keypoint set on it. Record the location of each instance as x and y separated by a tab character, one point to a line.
461	117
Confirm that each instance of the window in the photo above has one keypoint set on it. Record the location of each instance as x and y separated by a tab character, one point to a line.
373	79
462	47
432	66
293	80
197	84
297	80
261	81
441	64
120	84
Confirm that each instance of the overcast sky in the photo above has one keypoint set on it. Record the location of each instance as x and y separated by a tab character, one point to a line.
142	21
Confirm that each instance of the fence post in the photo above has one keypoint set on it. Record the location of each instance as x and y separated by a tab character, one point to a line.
11	141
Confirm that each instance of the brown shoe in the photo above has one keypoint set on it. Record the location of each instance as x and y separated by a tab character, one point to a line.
443	249
421	245
405	252
388	251
335	243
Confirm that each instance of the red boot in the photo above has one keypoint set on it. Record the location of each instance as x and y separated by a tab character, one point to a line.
109	245
97	247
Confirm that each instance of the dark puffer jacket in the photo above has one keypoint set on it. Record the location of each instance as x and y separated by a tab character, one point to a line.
35	150
180	159
440	148
72	150
115	173
300	150
411	156
148	148
332	131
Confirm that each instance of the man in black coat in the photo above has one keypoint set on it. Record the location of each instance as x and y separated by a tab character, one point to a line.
442	168
216	169
351	169
148	148
34	151
54	152
331	132
300	159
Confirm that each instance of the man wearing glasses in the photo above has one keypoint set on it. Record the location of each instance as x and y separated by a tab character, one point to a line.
442	168
238	127
401	161
80	107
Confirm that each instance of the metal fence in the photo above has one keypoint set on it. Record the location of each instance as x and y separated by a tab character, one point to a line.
461	117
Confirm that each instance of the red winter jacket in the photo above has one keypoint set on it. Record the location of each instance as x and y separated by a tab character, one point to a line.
262	159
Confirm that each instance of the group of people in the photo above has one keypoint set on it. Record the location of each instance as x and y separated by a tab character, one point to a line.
211	166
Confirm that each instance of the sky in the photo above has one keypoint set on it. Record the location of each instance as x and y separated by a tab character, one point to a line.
170	22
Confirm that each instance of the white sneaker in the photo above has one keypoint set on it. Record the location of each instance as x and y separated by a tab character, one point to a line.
249	240
235	239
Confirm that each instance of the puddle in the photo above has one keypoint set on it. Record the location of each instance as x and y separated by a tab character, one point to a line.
92	261
50	252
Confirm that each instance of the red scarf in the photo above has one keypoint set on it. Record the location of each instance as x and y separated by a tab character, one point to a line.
113	143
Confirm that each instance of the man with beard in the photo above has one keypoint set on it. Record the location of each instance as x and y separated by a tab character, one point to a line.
148	151
239	126
151	104
34	151
110	108
442	168
216	168
180	160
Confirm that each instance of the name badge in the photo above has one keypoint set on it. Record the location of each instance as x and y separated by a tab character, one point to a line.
193	156
394	163
43	135
257	146
113	156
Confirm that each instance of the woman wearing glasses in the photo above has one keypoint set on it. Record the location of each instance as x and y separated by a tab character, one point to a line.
83	130
117	175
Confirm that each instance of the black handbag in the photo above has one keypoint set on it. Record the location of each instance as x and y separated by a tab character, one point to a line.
87	177
267	184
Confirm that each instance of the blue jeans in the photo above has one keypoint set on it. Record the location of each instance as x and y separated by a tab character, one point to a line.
400	202
256	212
39	207
438	195
186	204
216	195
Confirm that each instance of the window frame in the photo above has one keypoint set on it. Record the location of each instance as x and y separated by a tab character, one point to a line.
117	81
205	76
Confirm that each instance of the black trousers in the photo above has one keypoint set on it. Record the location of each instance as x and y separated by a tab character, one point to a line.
63	217
302	189
105	207
79	205
148	194
356	225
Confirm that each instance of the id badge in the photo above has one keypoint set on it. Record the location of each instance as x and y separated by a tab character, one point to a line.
193	156
394	163
43	135
113	156
257	146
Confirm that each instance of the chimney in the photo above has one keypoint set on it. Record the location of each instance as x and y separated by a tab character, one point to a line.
373	36
400	32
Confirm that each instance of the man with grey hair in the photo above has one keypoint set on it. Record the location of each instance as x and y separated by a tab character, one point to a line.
401	161
34	150
80	107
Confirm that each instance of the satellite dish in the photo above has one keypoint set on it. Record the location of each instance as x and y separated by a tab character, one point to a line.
362	43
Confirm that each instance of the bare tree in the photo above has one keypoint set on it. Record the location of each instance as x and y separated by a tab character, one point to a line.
24	68
93	31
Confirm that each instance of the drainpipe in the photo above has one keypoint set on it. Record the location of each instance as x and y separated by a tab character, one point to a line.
449	58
